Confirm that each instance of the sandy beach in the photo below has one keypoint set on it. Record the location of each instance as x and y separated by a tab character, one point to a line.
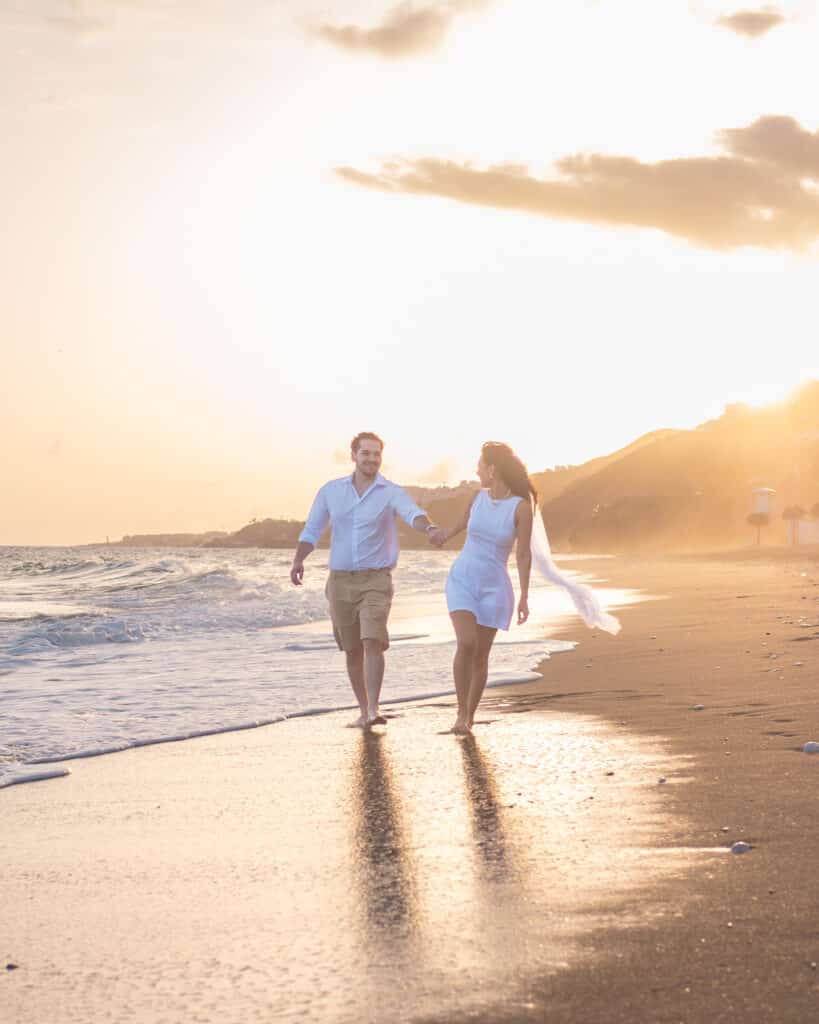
305	871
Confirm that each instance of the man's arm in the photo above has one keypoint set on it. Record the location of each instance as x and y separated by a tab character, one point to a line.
316	524
415	517
297	571
434	534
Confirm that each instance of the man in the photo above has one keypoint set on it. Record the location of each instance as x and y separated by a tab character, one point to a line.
363	552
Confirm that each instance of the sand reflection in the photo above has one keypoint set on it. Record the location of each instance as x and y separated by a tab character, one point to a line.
491	843
382	859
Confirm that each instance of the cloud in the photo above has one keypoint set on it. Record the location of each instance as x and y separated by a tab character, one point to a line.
406	31
752	23
780	141
762	191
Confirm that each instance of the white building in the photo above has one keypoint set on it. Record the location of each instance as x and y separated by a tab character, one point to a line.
761	500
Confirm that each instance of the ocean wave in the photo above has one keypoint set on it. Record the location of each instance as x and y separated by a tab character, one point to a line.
76	634
29	611
252	612
170	644
67	566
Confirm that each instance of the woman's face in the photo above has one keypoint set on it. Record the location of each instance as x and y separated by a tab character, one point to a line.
486	473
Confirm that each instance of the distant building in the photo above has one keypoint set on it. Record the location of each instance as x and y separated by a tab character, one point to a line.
761	500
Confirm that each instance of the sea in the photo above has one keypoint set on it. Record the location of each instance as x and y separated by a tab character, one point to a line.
106	648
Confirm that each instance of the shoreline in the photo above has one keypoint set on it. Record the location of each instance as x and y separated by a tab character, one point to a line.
714	939
86	755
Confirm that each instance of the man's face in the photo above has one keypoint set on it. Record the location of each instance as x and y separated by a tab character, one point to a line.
368	458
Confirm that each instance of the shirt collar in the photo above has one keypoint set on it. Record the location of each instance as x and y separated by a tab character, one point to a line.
378	482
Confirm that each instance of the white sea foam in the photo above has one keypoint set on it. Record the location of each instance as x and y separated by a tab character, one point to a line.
107	650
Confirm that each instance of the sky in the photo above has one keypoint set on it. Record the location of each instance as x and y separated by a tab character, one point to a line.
236	232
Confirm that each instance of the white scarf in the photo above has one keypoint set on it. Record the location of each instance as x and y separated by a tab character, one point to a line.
585	600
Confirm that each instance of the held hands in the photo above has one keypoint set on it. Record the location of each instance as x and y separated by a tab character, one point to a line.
436	537
523	610
296	573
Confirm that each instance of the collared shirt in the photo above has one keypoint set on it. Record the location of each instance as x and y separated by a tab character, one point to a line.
365	535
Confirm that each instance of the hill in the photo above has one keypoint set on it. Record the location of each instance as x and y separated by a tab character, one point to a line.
690	490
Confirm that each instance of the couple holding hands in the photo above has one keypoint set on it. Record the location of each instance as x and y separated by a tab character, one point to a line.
364	550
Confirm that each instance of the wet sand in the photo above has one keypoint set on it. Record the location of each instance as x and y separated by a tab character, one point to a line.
738	634
540	872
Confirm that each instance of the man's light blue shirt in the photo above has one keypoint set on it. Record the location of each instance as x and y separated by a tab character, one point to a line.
365	534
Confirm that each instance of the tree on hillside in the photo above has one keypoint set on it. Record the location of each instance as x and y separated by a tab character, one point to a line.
759	519
794	513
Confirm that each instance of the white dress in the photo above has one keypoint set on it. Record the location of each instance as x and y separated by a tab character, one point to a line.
478	581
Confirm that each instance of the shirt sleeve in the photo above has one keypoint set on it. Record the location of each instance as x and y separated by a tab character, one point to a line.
404	506
317	519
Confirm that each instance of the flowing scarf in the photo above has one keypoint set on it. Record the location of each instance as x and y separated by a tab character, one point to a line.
585	600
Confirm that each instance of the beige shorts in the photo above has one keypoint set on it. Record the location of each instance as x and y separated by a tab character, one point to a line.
359	606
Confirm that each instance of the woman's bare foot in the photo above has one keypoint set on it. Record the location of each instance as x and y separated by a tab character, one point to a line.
375	718
359	723
460	728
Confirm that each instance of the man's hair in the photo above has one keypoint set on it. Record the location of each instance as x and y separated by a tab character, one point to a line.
365	435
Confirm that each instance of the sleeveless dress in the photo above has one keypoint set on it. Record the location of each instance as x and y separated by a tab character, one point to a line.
478	580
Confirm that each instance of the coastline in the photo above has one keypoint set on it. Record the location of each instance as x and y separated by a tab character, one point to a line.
718	937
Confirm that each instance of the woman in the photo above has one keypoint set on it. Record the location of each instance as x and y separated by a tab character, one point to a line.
478	589
479	592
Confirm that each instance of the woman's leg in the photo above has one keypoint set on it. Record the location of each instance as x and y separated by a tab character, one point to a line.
484	636
465	628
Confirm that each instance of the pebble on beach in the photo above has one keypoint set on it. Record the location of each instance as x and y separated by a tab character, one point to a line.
698	707
811	747
740	846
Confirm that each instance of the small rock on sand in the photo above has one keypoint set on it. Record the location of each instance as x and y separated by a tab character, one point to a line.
698	707
811	747
740	846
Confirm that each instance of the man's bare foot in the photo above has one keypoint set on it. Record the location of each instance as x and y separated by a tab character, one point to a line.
359	723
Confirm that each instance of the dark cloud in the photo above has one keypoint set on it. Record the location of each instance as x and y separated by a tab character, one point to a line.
752	23
406	31
762	191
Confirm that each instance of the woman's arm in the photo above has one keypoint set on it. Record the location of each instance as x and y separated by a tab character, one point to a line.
460	526
523	555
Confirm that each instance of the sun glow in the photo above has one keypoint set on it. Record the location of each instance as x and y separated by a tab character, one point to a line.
207	311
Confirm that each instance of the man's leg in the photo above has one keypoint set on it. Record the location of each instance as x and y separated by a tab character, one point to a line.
355	670
374	611
373	677
344	615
